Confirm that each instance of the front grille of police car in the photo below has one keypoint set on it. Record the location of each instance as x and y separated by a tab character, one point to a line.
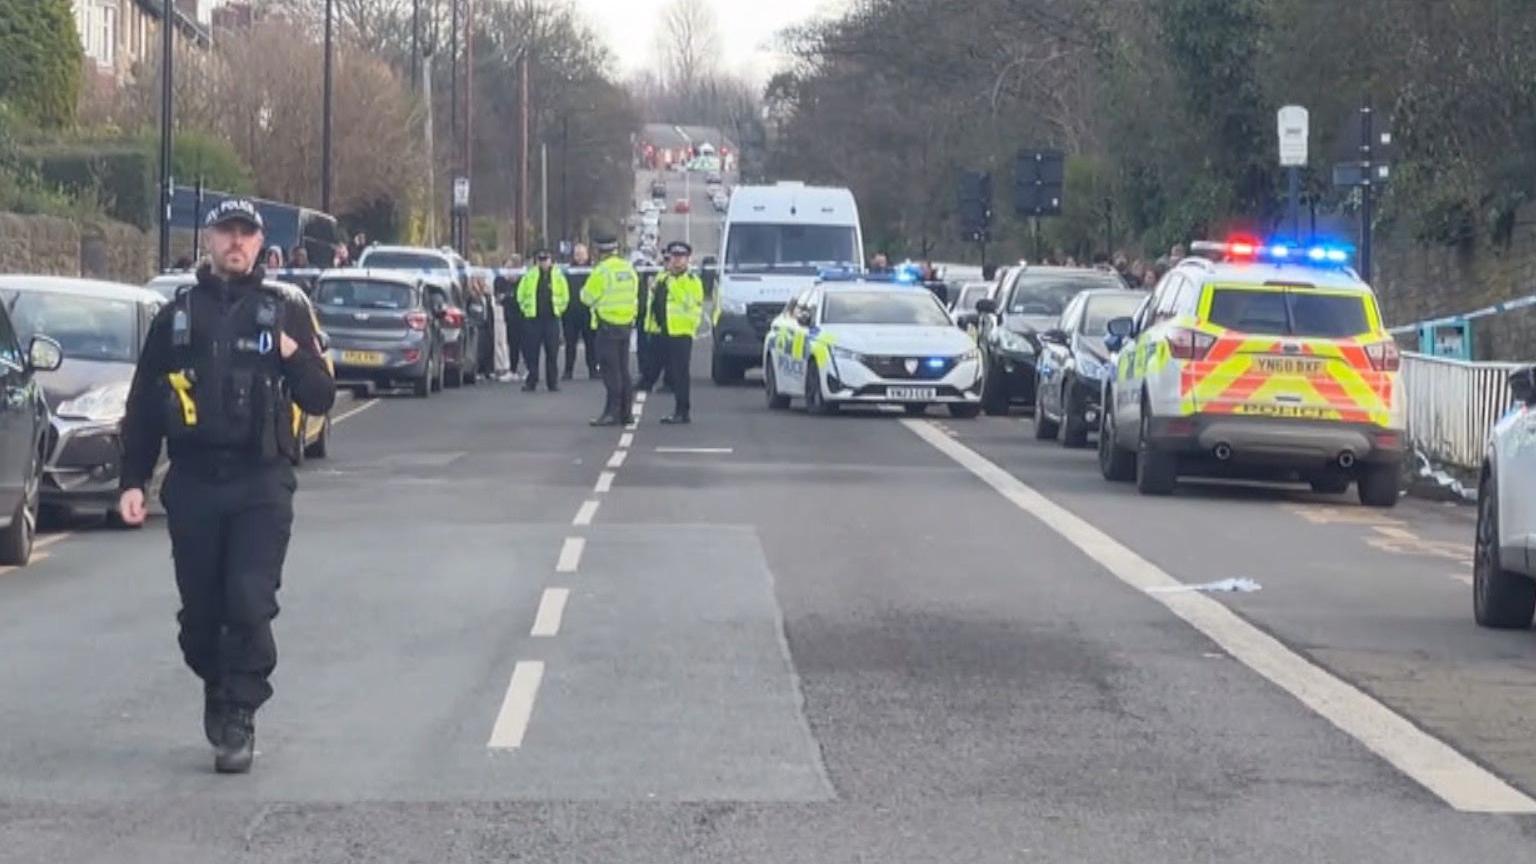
896	367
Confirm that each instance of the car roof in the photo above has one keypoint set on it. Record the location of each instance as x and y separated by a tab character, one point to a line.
399	277
79	287
860	285
1052	270
413	250
1259	273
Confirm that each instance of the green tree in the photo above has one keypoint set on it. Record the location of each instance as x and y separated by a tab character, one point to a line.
40	60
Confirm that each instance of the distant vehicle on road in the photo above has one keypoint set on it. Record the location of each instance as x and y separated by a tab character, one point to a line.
847	343
101	326
658	189
713	178
682	206
385	329
1074	362
1504	560
776	241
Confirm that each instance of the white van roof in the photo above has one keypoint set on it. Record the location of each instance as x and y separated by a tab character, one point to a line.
792	202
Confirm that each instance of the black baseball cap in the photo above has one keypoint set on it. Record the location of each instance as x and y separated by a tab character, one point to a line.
235	210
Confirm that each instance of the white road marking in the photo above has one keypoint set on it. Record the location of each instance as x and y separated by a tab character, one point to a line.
551	609
604	482
625	440
570	555
640	398
639	411
355	411
617	459
1429	761
585	513
1395	532
695	450
517	707
1463	578
45	542
632	426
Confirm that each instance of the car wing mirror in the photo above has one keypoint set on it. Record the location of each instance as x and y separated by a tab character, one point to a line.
44	354
986	306
1122	327
1522	384
1055	336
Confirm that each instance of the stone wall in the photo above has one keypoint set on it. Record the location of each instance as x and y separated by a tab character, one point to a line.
52	246
1417	282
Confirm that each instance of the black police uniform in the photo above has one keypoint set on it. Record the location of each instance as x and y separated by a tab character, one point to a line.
212	384
578	327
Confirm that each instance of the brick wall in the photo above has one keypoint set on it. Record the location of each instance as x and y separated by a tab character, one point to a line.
1417	282
64	247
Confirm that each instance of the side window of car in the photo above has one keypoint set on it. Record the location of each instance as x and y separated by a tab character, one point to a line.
1072	316
809	309
10	349
1189	298
1165	305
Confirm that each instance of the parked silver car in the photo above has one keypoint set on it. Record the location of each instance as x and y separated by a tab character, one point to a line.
1504	566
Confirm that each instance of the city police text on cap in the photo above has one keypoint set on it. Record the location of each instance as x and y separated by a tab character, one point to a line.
235	210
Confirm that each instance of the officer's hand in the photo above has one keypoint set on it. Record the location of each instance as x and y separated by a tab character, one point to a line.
286	345
130	506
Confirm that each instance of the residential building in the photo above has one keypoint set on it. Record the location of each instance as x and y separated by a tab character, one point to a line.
120	35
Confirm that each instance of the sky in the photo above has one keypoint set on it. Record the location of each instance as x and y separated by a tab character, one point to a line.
747	28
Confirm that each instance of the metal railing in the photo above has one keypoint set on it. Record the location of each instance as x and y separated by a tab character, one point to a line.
1452	406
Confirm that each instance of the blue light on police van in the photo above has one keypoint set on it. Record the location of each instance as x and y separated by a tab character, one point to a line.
1280	251
934	363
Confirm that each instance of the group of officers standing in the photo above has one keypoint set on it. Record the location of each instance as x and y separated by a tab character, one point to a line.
614	299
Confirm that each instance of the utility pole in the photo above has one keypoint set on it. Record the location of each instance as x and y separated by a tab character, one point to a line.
522	156
469	107
544	192
167	44
416	45
426	77
325	155
565	158
1367	190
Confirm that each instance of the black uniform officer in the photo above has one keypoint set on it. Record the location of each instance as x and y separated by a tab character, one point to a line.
222	367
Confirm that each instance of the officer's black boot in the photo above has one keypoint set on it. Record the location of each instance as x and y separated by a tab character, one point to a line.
605	420
234	754
675	419
213	718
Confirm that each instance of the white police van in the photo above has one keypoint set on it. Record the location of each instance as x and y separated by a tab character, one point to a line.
777	240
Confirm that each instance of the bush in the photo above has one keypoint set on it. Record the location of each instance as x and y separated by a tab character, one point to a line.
200	155
120	176
40	60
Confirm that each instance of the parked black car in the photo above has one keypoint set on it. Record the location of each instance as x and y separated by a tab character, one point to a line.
101	325
1028	300
1074	362
23	433
386	329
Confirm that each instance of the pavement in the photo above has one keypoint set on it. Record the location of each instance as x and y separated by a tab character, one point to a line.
768	637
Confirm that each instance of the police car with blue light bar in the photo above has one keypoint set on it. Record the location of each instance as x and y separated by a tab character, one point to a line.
863	339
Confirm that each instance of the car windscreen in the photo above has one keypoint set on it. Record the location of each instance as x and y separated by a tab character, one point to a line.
970	295
405	261
1048	294
789	248
87	328
364	294
918	308
1105	308
1282	312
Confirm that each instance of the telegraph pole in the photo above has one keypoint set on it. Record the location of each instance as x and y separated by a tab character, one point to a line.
469	108
326	127
167	44
416	45
521	231
1367	190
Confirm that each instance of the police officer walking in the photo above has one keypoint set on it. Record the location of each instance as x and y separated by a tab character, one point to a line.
612	290
222	368
671	318
543	295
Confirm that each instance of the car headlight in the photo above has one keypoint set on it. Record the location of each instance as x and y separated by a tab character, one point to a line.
103	404
1009	340
732	306
973	354
845	354
1092	368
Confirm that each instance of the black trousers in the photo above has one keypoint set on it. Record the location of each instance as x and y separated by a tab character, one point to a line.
613	361
229	537
578	328
515	328
542	334
678	352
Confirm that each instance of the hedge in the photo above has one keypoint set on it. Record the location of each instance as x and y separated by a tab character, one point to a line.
40	60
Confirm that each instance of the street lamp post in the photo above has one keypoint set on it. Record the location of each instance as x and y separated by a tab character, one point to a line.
167	43
325	146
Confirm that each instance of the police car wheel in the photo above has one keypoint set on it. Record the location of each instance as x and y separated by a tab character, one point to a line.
1378	485
1501	599
815	402
776	400
1157	473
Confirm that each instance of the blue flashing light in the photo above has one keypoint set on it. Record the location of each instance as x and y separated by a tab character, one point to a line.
1322	254
934	363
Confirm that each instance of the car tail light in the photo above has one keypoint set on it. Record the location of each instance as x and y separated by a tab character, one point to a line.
412	355
1185	344
1384	356
416	319
453	316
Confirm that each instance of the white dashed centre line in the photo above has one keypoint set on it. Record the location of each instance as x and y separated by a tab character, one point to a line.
551	609
604	482
517	707
700	450
625	440
640	397
617	459
570	555
585	513
1433	764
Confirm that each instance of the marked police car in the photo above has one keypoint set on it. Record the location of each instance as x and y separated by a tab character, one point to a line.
864	341
1261	359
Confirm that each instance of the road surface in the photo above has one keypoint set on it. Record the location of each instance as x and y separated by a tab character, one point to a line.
700	227
769	637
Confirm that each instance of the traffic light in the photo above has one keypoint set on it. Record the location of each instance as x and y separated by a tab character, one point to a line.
974	196
1037	182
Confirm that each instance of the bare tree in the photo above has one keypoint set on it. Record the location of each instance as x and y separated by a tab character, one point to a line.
689	44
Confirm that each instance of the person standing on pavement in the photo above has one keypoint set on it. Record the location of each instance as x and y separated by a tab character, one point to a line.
672	318
543	296
506	295
222	367
613	292
578	318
